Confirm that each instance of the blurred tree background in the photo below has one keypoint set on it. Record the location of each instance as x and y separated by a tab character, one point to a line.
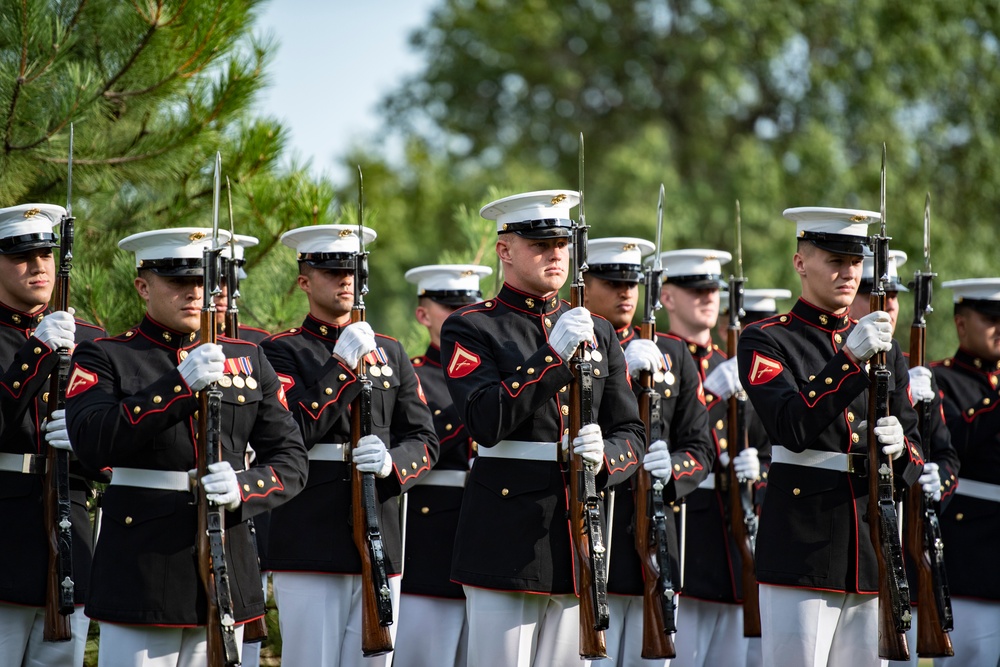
775	103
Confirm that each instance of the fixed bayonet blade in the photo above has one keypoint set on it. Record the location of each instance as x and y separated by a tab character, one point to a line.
657	262
881	209
927	233
69	175
739	242
361	229
217	185
583	216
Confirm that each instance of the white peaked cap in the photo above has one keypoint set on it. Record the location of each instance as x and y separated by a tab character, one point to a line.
837	230
982	294
178	243
323	239
455	284
697	268
513	213
28	226
240	243
618	250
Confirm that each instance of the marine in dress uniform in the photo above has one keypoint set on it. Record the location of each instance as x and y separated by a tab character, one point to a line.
804	371
311	554
968	383
432	630
131	404
507	365
615	271
941	459
710	621
30	334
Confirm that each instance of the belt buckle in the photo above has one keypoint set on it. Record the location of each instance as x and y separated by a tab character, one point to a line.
852	468
32	464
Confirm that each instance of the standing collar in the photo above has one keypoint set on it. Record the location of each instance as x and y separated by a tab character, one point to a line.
966	358
19	319
819	318
528	302
167	337
322	329
699	351
627	333
433	354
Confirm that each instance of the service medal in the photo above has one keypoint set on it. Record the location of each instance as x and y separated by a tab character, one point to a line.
669	377
238	381
596	355
387	371
226	381
375	370
657	377
251	383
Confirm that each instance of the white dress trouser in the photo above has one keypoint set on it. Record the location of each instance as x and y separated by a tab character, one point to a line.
810	628
523	629
151	646
709	634
21	644
976	637
624	633
432	632
320	619
251	651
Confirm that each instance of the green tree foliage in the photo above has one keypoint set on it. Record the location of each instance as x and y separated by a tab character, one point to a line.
775	103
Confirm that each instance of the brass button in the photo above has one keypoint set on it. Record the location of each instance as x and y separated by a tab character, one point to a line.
177	389
687	464
246	487
986	401
565	410
241	399
424	459
828	380
488	304
563	390
45	397
518	368
274	480
597	371
692	348
621	457
531	371
447	427
548	323
414	465
24	367
677	467
719	424
38	350
838	338
971	411
183	355
845	367
812	377
855	437
783	318
708	398
704	363
328	391
959	516
16	385
128	521
515	385
437	412
136	410
157	399
402	472
425	510
850	417
629	454
548	359
796	492
812	394
504	492
667	393
314	405
341	377
385	383
677	509
723	443
260	484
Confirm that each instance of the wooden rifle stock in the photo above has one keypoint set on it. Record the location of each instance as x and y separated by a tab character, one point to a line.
742	515
59	587
923	536
657	631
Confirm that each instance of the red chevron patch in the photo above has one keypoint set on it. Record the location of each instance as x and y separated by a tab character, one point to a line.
462	362
763	369
80	381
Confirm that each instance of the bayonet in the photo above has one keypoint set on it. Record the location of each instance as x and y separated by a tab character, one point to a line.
927	234
657	260
232	277
69	175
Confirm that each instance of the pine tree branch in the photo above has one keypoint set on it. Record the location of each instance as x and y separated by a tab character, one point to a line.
19	82
143	43
201	47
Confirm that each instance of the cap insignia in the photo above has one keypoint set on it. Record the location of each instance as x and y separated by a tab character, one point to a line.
558	198
859	218
197	236
629	246
345	232
32	212
466	274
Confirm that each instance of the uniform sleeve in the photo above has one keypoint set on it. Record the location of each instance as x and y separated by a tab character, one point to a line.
24	378
907	468
691	450
795	415
106	429
618	416
494	402
281	463
938	446
316	399
414	445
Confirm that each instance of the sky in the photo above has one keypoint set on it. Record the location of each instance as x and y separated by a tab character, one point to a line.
320	90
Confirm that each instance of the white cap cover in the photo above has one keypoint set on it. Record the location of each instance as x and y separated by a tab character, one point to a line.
540	214
449	284
28	227
696	268
172	252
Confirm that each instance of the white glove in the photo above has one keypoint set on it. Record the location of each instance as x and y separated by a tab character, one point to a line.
370	455
355	341
920	384
930	480
204	364
57	330
746	465
643	355
589	445
221	485
55	431
574	327
657	460
890	435
724	381
872	334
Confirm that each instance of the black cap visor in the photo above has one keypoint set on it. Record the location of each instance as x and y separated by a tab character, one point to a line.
174	268
839	244
343	261
16	245
618	273
891	285
985	306
453	298
704	281
547	228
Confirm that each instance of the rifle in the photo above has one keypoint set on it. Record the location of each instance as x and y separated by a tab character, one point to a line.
376	598
658	598
923	532
210	538
893	589
254	631
742	515
586	531
59	588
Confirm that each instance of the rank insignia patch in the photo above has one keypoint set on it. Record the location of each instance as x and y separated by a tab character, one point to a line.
80	381
462	362
763	370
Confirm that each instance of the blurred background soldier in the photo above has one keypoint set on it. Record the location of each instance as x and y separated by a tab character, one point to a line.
804	372
506	362
710	625
968	383
316	568
432	630
131	406
29	338
613	293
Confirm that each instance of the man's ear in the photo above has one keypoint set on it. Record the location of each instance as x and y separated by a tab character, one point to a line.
422	316
303	282
142	287
799	264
